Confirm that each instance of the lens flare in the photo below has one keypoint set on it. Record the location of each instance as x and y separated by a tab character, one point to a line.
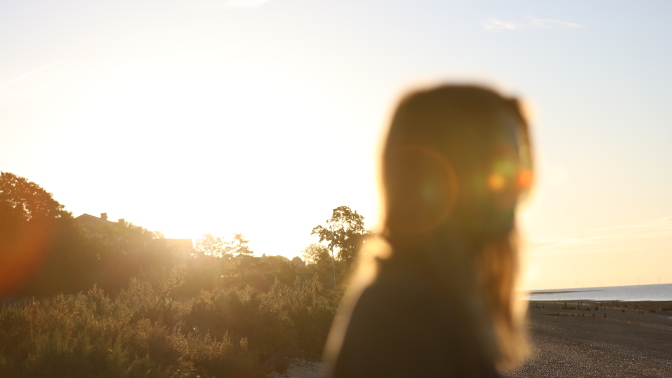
22	257
422	189
525	178
496	182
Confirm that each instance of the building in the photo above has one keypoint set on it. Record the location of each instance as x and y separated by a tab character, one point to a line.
93	223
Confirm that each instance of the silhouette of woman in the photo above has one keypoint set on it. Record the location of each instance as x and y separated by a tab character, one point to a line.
436	298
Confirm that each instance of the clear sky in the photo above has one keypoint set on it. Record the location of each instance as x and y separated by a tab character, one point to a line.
260	117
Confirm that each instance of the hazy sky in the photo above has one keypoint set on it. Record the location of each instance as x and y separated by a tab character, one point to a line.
260	117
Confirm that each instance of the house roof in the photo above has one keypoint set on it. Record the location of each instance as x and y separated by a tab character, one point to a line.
92	223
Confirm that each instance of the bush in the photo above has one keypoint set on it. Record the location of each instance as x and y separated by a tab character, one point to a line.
146	332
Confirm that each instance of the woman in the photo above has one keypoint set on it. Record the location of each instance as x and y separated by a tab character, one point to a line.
437	299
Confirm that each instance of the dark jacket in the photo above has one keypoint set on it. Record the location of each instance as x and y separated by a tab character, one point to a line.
403	325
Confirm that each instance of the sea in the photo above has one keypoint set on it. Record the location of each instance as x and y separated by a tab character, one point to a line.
660	292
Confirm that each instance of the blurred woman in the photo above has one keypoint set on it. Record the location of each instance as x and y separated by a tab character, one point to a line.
437	298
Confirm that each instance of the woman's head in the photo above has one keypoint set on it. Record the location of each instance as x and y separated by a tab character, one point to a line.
455	162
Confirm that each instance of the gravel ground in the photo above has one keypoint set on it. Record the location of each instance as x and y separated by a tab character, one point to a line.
574	339
301	369
580	341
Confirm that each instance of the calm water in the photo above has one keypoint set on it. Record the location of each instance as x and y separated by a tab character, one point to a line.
662	292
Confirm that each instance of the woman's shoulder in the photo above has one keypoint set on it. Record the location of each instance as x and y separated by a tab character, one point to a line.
403	325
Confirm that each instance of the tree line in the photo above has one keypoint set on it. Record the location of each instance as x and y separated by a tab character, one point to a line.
44	250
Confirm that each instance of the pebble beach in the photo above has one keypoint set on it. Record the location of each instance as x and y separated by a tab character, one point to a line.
598	339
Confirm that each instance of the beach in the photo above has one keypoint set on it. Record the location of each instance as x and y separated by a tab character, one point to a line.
619	339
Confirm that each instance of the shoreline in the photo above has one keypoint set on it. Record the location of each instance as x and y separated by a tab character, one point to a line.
631	293
652	306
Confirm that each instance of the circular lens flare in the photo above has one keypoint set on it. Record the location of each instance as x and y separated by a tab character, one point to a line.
496	182
421	189
525	178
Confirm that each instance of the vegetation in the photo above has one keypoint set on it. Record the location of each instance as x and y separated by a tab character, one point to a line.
118	300
343	232
146	332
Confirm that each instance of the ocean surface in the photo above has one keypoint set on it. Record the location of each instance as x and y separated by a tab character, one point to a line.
661	292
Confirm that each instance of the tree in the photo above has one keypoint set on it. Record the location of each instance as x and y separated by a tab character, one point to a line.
296	260
210	245
345	232
41	249
238	246
240	251
26	200
315	253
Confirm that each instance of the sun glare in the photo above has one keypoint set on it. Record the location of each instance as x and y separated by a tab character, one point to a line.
190	151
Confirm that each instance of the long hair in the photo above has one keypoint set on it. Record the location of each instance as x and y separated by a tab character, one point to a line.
455	163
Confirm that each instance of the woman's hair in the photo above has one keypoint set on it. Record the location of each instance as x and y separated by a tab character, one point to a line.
455	163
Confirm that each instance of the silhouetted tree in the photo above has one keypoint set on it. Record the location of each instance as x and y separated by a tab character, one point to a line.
296	260
26	200
238	246
345	232
41	248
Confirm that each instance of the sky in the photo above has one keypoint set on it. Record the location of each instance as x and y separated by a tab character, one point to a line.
260	117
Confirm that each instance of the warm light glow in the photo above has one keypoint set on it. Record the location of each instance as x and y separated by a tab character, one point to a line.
194	152
23	255
525	178
496	182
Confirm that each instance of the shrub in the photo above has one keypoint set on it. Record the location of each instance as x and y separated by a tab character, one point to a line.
145	332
